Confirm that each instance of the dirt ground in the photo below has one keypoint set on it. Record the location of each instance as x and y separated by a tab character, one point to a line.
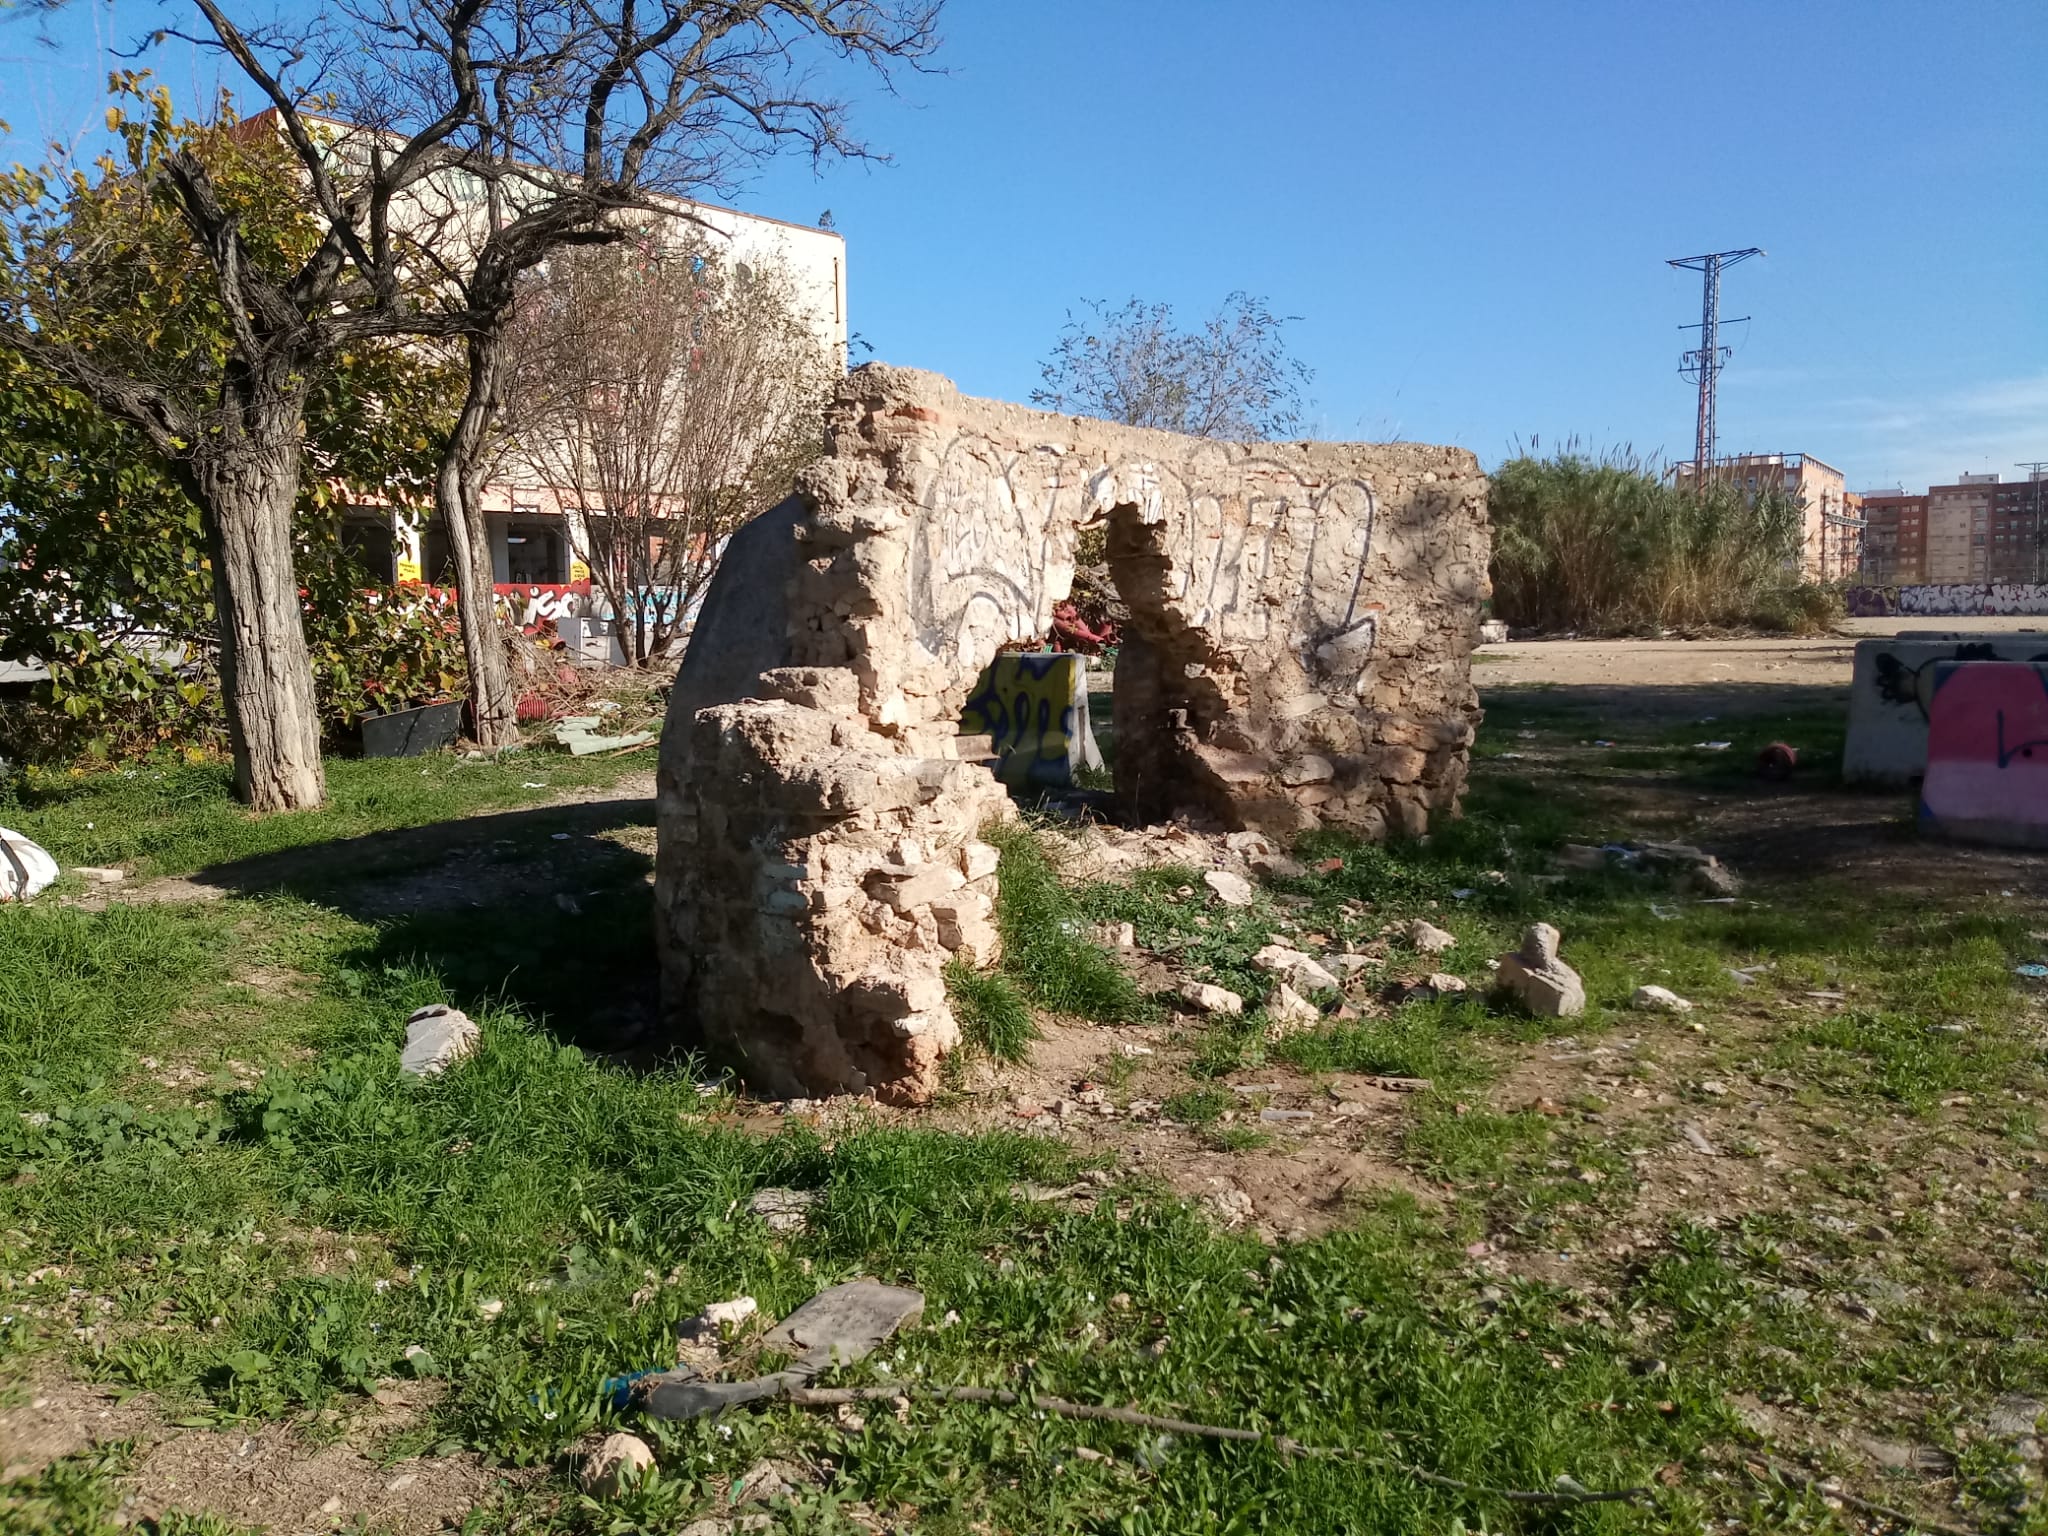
1763	659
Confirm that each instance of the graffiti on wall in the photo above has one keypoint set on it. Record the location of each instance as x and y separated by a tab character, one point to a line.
526	604
1987	753
1948	600
1034	708
982	580
1897	682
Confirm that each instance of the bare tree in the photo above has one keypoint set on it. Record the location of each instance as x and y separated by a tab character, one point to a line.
1231	377
482	135
674	393
567	112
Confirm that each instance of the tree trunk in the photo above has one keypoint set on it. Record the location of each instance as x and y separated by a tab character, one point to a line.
248	484
491	701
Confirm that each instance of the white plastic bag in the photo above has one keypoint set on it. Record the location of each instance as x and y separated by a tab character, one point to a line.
25	870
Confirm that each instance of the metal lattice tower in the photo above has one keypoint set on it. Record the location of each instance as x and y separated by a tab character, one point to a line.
2037	470
1703	365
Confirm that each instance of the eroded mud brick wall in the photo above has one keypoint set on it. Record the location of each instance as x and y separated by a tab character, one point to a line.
1303	616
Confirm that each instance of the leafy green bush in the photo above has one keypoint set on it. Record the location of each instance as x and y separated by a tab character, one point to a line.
1610	545
376	649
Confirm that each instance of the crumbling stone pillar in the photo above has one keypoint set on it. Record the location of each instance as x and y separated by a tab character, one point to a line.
1302	621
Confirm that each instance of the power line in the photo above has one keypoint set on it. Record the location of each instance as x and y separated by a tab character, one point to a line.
1703	365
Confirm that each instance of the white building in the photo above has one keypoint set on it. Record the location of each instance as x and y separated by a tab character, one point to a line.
535	558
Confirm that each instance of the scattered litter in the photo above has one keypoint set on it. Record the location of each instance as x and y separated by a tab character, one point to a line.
1713	746
1830	997
838	1326
1285	1116
100	875
1777	762
579	733
1697	1139
532	784
1603	743
1465	893
25	870
2033	970
560	837
1663	913
1249	1089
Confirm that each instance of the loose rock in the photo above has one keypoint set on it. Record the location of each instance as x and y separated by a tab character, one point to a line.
1428	939
1210	999
1231	890
1660	1000
783	1210
1544	984
1301	971
436	1038
1288	1011
100	875
621	1460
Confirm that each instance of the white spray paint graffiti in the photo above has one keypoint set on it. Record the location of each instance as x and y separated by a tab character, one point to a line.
1949	600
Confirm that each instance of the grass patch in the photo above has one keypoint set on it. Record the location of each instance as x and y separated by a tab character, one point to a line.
172	820
1045	947
994	1018
79	991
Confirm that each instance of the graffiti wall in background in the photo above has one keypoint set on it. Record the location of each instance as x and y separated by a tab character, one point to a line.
1948	600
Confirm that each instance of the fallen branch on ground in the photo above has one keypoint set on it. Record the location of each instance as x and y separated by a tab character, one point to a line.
832	1397
1810	1484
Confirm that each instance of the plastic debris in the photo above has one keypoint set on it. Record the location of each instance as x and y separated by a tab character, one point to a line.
2033	970
579	733
25	870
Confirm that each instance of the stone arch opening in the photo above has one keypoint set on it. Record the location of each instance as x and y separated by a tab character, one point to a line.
1302	618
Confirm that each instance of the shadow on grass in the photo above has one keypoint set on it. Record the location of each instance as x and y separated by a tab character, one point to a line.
546	910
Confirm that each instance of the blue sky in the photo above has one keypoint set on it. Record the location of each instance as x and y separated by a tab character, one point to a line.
1468	205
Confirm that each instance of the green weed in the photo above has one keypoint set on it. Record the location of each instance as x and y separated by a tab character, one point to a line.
1045	948
994	1018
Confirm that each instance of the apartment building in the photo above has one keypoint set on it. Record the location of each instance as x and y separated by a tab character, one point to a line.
537	539
1894	538
1830	534
1959	529
2019	522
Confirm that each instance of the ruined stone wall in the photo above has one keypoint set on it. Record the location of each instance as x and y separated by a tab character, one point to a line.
1303	617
